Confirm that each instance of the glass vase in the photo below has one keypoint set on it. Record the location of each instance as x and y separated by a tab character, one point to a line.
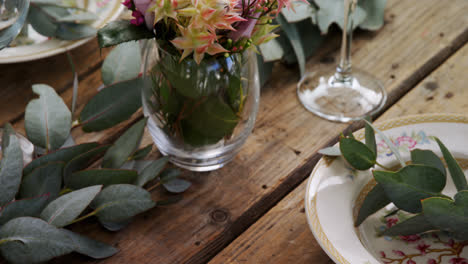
199	115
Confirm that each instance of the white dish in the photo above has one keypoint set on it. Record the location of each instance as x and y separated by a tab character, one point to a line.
42	47
335	192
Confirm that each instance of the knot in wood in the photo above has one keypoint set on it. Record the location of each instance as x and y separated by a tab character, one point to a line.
219	215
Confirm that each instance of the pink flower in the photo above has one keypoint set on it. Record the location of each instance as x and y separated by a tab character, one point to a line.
138	18
382	254
451	243
245	29
458	261
423	247
431	261
143	6
410	238
128	4
399	253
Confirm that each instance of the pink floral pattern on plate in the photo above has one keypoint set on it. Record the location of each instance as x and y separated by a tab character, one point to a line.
404	143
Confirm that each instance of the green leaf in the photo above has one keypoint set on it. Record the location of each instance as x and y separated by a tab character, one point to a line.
428	158
31	240
454	168
46	179
374	201
73	31
112	105
151	171
47	118
63	210
177	185
375	14
83	16
414	225
332	11
41	22
310	37
63	155
210	122
117	32
115	226
25	207
142	153
389	143
123	63
271	50
83	161
370	137
120	202
90	247
169	175
295	38
331	151
10	165
357	154
407	187
125	146
104	177
448	215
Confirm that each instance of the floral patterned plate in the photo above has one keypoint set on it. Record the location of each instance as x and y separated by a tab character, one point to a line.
335	193
34	46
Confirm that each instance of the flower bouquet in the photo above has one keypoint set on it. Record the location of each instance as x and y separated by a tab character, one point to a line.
201	88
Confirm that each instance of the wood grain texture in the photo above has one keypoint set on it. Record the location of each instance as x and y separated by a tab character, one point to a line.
279	155
283	235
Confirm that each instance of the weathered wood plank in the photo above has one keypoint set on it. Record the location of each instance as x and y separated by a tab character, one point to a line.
283	235
16	79
281	151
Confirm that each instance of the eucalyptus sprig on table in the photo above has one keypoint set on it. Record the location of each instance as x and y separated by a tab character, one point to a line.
67	185
416	187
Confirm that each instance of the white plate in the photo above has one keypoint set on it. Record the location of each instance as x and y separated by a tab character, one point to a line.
107	10
335	192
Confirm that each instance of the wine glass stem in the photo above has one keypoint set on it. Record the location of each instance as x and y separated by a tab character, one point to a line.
343	71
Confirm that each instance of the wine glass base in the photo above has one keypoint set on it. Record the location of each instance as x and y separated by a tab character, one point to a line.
323	94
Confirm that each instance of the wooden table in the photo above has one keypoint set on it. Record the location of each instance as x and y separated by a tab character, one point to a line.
252	211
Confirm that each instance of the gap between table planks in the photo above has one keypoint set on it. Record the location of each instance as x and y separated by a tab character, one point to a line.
282	235
417	37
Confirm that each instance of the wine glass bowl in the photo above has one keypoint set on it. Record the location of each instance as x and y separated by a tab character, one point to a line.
13	14
344	94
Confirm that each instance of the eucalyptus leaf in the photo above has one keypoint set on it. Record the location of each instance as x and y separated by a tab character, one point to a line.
120	202
41	22
298	11
374	201
117	32
26	207
169	175
106	177
414	225
370	137
123	63
151	171
63	155
449	215
90	247
79	17
357	154
177	185
332	11
63	210
374	14
112	105
125	146
389	143
115	226
454	168
83	161
428	158
47	118
310	37
46	179
73	31
407	187
10	165
142	153
331	151
31	240
294	37
271	50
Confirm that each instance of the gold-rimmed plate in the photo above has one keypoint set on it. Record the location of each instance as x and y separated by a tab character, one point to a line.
36	46
335	193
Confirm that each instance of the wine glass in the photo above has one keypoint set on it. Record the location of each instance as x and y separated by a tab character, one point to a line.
13	14
344	94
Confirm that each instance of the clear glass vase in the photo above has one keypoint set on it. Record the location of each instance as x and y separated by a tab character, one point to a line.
199	114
